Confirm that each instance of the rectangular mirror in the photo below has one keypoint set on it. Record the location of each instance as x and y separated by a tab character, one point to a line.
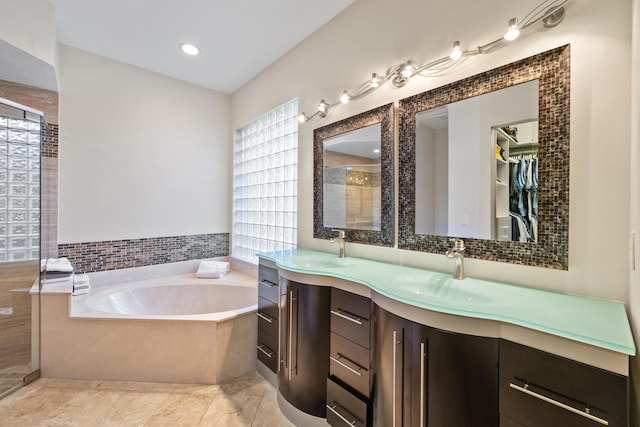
352	194
353	178
486	159
476	166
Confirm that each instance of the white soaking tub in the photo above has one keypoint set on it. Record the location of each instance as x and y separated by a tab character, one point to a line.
177	329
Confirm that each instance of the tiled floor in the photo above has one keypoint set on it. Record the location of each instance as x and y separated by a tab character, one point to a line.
247	401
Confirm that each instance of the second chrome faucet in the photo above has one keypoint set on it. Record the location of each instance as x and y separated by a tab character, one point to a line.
340	240
456	254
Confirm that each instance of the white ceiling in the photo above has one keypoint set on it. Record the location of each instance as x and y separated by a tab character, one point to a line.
238	38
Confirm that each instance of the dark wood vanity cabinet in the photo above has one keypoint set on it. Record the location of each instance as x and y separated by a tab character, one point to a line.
539	389
268	314
428	377
454	379
392	367
304	345
350	377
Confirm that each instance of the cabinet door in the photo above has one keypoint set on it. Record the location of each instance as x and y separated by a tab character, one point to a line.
454	379
303	379
392	368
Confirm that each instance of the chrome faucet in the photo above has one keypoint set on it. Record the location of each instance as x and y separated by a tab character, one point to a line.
456	254
340	240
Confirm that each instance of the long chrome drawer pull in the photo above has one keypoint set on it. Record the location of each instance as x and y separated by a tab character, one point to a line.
335	411
263	317
559	404
355	320
346	366
267	284
395	368
266	353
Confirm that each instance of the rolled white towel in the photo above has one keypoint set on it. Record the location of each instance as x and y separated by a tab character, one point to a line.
80	279
81	288
62	265
212	269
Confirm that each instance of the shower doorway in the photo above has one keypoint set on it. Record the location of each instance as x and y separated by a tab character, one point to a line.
22	131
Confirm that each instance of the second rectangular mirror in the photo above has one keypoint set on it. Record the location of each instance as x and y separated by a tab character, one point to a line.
353	178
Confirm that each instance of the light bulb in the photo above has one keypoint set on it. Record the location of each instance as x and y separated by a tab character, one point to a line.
375	80
323	106
190	49
512	30
345	97
302	117
408	70
456	52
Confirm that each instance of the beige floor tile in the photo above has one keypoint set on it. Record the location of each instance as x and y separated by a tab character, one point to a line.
181	409
35	408
129	408
268	414
247	401
250	383
236	410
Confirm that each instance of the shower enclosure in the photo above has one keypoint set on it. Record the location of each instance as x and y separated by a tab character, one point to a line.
22	133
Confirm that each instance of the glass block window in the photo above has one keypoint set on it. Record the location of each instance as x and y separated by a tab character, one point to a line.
19	192
265	183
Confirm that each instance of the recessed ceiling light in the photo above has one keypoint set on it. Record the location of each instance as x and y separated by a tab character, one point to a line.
190	49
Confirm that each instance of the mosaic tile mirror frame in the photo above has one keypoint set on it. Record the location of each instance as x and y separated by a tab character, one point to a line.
551	69
384	234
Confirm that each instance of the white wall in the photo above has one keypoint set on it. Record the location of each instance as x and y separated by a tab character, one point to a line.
29	25
141	155
373	35
635	167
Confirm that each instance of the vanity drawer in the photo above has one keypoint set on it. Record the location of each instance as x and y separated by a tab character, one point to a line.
268	290
344	408
542	389
350	314
350	363
267	350
268	316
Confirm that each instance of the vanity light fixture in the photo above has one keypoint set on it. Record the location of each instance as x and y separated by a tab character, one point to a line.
408	70
323	107
375	81
512	30
456	52
189	49
549	12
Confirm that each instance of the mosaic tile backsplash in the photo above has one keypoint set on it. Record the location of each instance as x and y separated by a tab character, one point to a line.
116	254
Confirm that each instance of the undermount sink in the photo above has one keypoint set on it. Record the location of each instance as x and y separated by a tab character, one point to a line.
444	288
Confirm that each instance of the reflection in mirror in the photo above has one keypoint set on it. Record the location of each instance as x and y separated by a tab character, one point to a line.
353	178
486	191
352	195
476	166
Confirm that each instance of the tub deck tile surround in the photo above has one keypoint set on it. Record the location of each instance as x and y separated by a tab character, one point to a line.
246	401
118	254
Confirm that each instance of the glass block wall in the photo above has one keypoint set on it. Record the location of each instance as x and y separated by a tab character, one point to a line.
265	183
20	143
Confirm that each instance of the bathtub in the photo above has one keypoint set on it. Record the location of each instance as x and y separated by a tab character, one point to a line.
177	329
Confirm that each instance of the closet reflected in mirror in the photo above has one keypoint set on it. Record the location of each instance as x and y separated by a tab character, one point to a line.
468	170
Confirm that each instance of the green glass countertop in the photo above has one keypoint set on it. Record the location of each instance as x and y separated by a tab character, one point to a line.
589	320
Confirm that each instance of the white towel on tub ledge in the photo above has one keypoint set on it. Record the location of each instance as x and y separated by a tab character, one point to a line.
212	269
